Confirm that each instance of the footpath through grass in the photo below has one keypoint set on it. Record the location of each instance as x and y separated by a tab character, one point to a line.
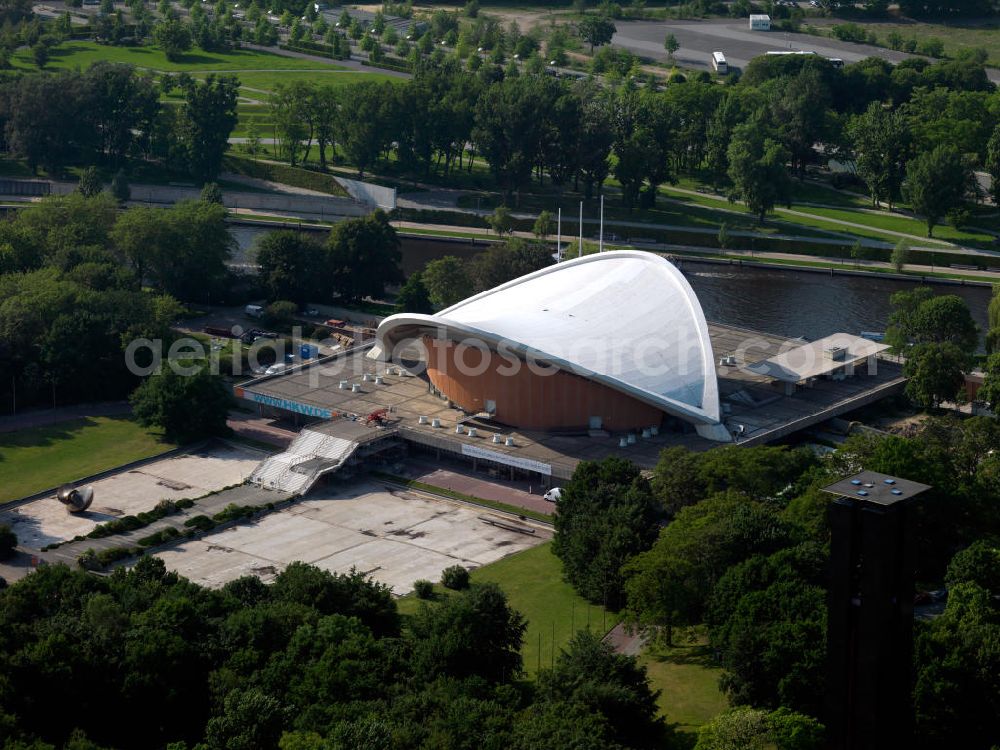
35	459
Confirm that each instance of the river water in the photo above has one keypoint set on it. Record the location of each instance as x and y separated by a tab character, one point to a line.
783	302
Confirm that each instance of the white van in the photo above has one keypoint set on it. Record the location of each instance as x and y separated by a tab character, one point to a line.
554	495
254	311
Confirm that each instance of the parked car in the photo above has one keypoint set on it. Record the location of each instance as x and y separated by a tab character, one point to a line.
254	311
554	495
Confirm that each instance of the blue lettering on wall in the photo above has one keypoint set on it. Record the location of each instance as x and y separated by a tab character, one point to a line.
284	403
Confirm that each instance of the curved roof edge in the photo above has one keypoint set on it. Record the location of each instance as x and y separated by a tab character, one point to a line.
396	327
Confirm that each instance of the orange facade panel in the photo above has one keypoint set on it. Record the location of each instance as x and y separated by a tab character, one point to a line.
476	380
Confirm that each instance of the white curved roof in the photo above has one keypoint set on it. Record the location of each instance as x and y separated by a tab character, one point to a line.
627	319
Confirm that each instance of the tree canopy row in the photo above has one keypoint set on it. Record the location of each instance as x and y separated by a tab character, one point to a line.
112	112
916	125
314	661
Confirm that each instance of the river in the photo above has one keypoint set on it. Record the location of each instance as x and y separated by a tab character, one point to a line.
783	302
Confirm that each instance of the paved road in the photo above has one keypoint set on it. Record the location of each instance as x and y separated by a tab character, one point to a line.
699	39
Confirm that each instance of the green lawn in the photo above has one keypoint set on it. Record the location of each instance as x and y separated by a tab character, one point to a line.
689	681
35	459
956	35
82	54
534	586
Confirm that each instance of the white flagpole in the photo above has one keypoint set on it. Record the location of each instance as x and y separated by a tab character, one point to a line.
580	252
600	242
559	236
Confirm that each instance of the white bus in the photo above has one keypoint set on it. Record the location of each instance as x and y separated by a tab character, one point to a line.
719	63
834	61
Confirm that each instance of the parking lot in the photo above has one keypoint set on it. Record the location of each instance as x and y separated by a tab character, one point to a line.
397	537
186	475
699	39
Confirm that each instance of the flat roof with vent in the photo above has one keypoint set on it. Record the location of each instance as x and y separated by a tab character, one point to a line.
817	358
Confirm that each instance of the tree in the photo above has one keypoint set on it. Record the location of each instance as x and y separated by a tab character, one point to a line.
935	372
596	30
473	633
989	392
502	263
447	281
936	183
800	112
766	617
956	667
292	266
8	541
250	719
900	255
120	189
281	312
920	317
363	257
90	183
757	169
501	221
992	164
723	236
588	673
669	585
745	728
211	193
173	37
206	120
979	563
543	225
413	296
185	407
455	577
40	54
671	45
508	131
182	250
880	138
607	515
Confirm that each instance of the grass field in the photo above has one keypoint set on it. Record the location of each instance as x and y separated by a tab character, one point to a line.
35	459
955	35
689	681
534	586
81	54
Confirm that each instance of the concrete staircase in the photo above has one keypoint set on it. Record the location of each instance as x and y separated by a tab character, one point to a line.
311	455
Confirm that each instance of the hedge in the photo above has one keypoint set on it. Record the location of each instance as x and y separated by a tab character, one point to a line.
314	48
268	170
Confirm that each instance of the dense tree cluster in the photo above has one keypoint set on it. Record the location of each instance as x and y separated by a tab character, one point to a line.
938	337
448	280
919	125
359	259
737	539
314	661
112	112
81	280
